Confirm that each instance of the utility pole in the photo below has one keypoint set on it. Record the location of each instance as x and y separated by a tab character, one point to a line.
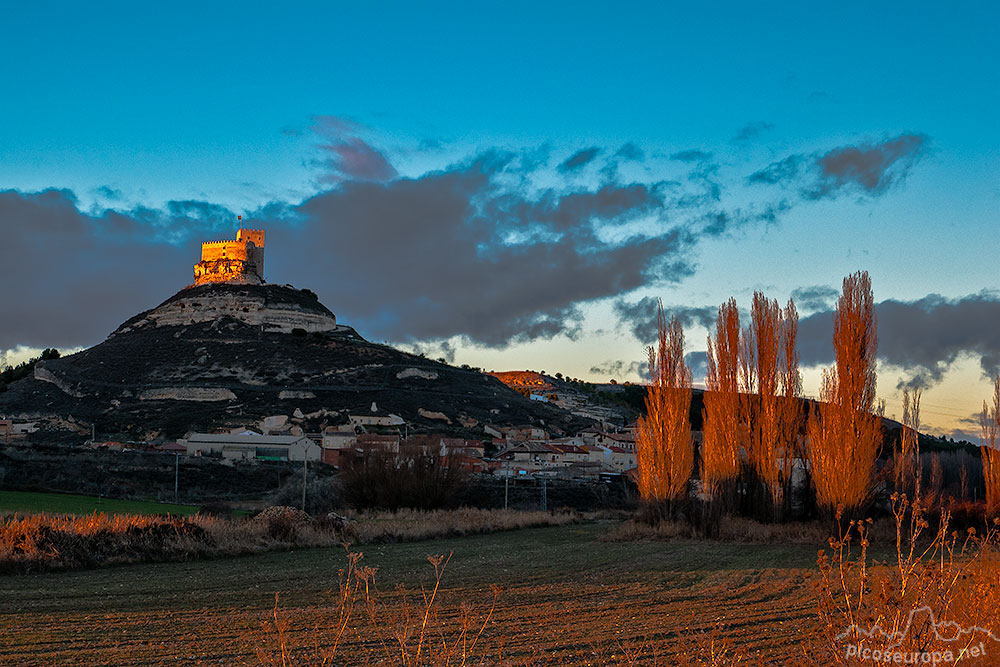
545	498
305	473
177	468
506	488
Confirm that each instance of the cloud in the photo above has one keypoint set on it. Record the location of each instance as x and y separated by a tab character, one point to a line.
348	156
782	171
751	131
697	363
924	337
866	169
631	152
872	168
459	252
476	251
109	193
691	155
620	370
640	316
815	297
81	275
579	159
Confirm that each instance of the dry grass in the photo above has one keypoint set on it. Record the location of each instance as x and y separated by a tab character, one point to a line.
989	422
44	542
412	525
937	596
37	542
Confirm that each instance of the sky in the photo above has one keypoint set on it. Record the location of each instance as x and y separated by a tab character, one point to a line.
514	185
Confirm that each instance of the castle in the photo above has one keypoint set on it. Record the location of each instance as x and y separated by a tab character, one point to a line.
239	261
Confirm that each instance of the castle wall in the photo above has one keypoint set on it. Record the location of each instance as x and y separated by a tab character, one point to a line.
216	250
256	236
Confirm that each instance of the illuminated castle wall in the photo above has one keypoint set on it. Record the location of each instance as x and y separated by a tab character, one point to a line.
239	261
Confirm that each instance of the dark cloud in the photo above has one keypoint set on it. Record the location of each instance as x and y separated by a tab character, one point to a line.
867	169
815	297
79	276
617	369
751	131
109	193
579	159
640	316
627	153
691	155
871	168
719	222
348	156
780	172
455	253
697	363
630	151
472	251
924	337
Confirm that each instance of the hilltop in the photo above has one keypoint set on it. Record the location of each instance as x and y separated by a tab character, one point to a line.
231	353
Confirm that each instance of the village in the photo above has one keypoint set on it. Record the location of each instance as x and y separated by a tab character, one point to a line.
598	452
595	453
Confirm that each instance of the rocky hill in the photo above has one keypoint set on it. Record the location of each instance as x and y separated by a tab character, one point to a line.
232	354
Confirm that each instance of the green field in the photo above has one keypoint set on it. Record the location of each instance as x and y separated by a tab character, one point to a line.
568	597
26	502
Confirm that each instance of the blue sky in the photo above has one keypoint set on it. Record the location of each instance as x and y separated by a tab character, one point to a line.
872	127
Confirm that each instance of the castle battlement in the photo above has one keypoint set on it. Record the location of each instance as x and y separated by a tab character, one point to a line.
239	261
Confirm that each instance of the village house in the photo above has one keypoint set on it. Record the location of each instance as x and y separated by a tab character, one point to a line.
569	453
373	441
624	440
252	447
621	459
470	464
9	428
376	417
527	456
473	448
337	442
525	433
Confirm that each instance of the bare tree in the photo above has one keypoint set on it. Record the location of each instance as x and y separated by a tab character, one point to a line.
844	431
663	438
721	424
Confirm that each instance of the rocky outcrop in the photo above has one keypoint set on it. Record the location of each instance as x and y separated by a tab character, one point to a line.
279	308
45	375
416	373
288	395
431	414
187	394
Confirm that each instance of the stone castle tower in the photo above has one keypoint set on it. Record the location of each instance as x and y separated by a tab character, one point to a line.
240	261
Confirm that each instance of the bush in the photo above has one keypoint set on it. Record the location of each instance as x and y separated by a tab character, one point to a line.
322	494
414	477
